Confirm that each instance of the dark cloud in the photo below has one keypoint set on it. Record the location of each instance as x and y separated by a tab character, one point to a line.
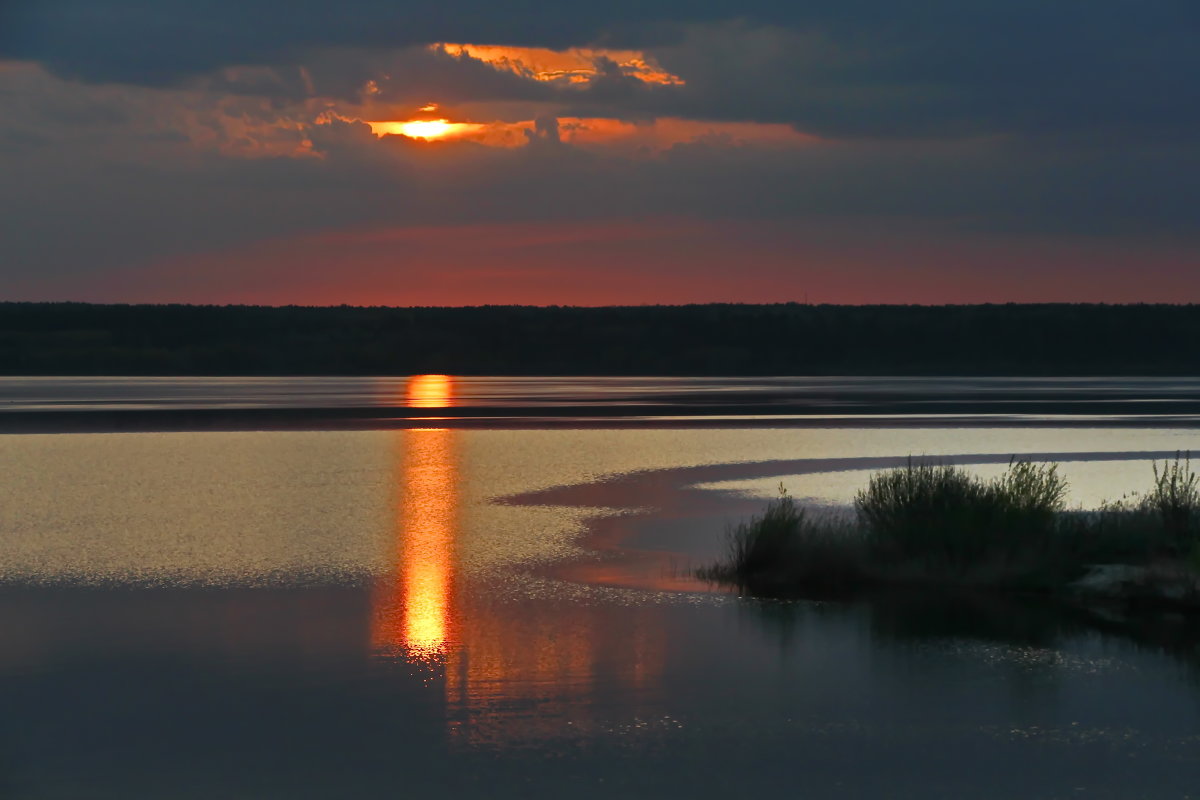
160	128
545	133
1106	68
1033	74
159	41
409	75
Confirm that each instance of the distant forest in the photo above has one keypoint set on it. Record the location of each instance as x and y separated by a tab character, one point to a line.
785	339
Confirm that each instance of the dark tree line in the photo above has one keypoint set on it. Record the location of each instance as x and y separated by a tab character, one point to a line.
786	339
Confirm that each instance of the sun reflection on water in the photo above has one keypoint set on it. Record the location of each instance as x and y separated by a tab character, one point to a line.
413	608
487	654
430	391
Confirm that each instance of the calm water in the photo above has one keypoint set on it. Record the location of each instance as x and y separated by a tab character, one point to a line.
53	404
32	393
507	613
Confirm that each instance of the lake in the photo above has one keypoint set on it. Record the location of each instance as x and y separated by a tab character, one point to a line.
466	594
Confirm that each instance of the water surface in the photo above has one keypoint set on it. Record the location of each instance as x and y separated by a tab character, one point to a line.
114	403
499	612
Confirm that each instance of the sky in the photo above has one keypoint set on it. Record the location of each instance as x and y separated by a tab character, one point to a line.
464	152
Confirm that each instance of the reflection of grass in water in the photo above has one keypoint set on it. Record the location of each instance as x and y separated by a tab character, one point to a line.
938	524
906	616
909	615
899	615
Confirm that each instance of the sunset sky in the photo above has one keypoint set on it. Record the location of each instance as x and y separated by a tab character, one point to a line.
466	152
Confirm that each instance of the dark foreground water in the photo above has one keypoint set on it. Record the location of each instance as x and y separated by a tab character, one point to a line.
508	613
299	693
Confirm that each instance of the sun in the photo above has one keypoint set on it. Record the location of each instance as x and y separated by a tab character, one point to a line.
426	128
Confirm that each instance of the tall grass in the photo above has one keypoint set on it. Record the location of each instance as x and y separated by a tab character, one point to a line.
765	540
1175	496
937	512
785	546
1162	522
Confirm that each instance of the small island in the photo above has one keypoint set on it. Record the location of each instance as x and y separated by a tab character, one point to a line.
936	526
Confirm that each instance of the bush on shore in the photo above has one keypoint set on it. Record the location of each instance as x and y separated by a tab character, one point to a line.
936	523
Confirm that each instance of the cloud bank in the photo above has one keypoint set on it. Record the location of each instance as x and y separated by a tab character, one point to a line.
886	152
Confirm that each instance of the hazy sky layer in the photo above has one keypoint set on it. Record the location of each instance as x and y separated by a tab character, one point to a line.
594	153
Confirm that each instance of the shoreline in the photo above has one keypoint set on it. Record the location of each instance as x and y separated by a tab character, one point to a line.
653	515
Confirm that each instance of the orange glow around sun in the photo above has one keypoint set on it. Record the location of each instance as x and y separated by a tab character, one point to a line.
586	131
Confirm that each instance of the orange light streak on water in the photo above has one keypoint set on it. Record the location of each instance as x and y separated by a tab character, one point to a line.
428	512
414	609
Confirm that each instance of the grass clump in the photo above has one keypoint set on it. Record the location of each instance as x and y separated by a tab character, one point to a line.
785	545
776	534
1175	496
936	512
1163	523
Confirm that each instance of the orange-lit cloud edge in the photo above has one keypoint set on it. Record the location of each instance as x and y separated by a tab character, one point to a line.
576	68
